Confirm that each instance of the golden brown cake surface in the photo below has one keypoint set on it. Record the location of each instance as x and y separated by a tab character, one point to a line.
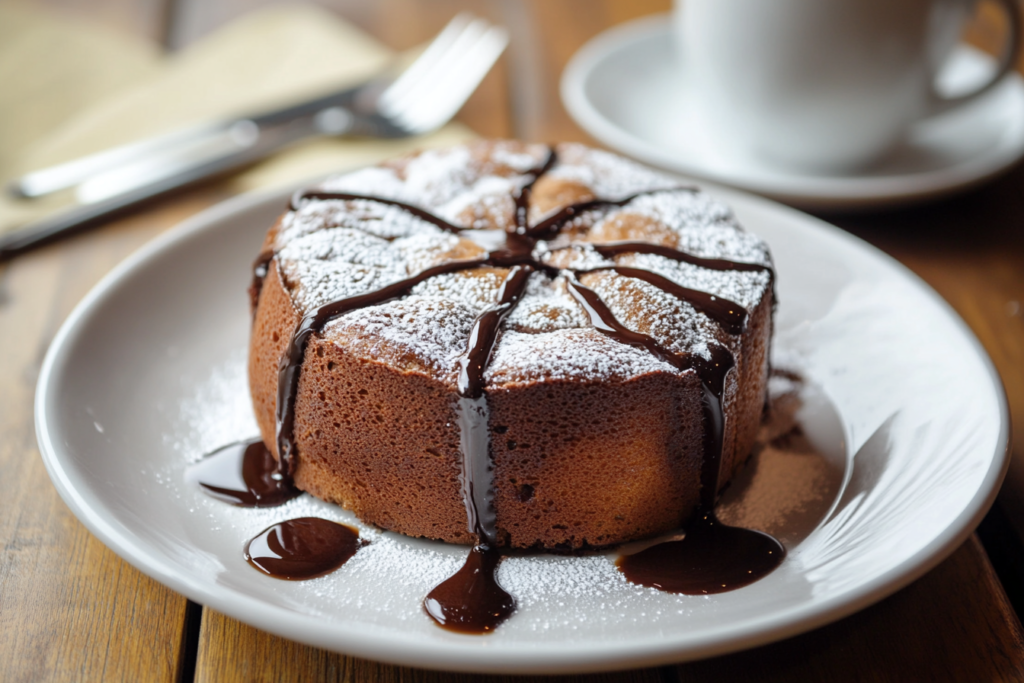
592	441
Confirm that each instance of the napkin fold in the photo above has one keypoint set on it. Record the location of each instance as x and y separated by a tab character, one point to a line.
73	89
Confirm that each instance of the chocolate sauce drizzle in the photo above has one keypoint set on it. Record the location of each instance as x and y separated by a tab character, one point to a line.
244	474
259	274
729	314
712	557
303	548
472	600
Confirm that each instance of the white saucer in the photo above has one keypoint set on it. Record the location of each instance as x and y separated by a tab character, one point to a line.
625	89
148	374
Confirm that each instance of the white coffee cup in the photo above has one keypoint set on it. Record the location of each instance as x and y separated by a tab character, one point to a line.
823	84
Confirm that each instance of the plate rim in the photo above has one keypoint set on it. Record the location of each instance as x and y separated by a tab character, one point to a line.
452	654
814	191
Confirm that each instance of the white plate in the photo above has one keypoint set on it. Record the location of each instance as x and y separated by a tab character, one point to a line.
147	374
625	88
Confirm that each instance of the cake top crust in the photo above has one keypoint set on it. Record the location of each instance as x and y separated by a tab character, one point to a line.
331	249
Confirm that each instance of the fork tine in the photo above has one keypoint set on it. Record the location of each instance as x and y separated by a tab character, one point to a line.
427	60
442	86
442	63
446	95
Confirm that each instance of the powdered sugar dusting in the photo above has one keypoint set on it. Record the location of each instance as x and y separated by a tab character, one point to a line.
205	430
546	307
426	330
642	307
373	218
566	355
415	333
477	288
332	249
684	211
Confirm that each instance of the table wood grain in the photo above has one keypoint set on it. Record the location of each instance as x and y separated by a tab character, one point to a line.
72	610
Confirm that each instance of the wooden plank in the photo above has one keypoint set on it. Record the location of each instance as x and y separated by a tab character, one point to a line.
69	608
954	624
230	651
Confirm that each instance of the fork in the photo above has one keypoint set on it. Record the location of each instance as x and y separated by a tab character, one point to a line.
423	98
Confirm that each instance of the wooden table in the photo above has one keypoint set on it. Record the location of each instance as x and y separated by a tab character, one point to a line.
72	610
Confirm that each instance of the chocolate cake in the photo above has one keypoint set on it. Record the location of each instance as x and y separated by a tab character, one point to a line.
512	344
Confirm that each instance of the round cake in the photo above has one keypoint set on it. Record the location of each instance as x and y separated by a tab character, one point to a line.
529	345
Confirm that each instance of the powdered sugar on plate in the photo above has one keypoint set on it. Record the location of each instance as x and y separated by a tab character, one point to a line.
785	489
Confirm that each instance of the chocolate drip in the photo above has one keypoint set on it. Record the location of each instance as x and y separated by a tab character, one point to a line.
244	474
474	415
712	557
302	548
475	478
713	372
259	273
485	333
522	198
729	314
471	600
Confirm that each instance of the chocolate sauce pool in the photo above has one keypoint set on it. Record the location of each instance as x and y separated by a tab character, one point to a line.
244	474
302	548
711	558
471	600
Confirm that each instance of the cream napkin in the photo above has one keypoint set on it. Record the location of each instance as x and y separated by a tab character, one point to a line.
72	90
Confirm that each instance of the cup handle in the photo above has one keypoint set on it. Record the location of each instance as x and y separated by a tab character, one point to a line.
1007	61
